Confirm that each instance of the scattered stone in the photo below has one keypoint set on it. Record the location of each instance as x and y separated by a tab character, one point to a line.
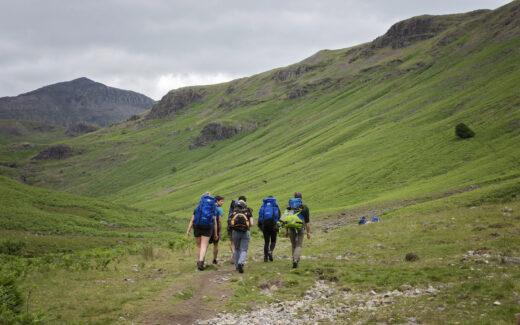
510	260
496	303
321	303
129	280
122	319
406	287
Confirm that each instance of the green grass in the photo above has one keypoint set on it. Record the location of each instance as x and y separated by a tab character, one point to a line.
371	134
386	138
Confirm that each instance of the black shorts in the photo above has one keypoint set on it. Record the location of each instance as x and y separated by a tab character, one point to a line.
213	241
206	232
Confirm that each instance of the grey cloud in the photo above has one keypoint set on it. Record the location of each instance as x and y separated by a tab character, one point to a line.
134	42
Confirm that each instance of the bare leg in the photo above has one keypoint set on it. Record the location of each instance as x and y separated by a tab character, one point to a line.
204	243
197	240
215	251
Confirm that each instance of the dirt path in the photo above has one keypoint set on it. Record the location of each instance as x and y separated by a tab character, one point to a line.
208	290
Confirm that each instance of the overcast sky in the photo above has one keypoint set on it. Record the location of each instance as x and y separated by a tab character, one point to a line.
153	46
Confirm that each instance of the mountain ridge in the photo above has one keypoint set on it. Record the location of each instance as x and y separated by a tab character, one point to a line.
350	126
69	102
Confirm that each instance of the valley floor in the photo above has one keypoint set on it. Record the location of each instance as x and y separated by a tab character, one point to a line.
467	272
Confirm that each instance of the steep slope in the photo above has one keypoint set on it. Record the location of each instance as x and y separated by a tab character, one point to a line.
26	208
70	102
369	124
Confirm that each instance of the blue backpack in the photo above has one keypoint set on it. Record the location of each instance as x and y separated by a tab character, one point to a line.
269	212
205	213
295	204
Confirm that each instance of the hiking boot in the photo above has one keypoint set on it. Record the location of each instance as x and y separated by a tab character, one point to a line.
266	259
215	262
200	265
270	255
241	268
294	265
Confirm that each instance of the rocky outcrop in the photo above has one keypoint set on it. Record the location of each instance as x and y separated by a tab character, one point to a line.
67	103
175	101
81	128
217	131
408	32
59	151
290	72
295	71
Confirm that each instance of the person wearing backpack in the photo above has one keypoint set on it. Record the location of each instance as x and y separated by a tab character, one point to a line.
268	217
296	234
229	231
204	226
240	221
219	200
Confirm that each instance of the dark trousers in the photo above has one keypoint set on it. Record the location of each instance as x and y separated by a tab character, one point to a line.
270	234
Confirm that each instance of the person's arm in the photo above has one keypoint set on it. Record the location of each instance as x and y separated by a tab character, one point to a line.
215	234
190	225
306	217
220	224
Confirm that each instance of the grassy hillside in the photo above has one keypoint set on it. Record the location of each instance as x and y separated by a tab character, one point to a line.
360	131
373	123
47	221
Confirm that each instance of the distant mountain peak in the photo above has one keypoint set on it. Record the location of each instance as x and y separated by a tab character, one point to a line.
82	80
70	102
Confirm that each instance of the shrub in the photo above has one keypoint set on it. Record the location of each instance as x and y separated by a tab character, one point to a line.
411	257
10	296
463	131
174	169
147	252
12	247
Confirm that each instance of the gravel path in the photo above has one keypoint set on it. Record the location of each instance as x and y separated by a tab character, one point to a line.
322	302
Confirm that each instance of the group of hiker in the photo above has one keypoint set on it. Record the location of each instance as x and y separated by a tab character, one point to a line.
206	222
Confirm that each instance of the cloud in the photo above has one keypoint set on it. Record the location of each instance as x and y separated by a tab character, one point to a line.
153	46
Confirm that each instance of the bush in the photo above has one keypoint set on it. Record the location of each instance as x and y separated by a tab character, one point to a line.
12	247
463	131
147	252
10	296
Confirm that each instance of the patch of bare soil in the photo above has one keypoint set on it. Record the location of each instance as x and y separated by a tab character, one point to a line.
209	292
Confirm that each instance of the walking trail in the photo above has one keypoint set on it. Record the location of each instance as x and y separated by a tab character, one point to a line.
207	295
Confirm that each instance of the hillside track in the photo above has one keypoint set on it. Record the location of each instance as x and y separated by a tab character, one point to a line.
208	294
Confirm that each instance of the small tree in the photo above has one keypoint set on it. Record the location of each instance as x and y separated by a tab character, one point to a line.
463	131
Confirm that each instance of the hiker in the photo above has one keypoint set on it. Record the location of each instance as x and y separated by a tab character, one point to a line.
362	221
375	219
229	231
219	200
297	234
268	216
204	226
240	221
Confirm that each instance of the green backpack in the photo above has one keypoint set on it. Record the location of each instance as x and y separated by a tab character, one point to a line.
291	219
